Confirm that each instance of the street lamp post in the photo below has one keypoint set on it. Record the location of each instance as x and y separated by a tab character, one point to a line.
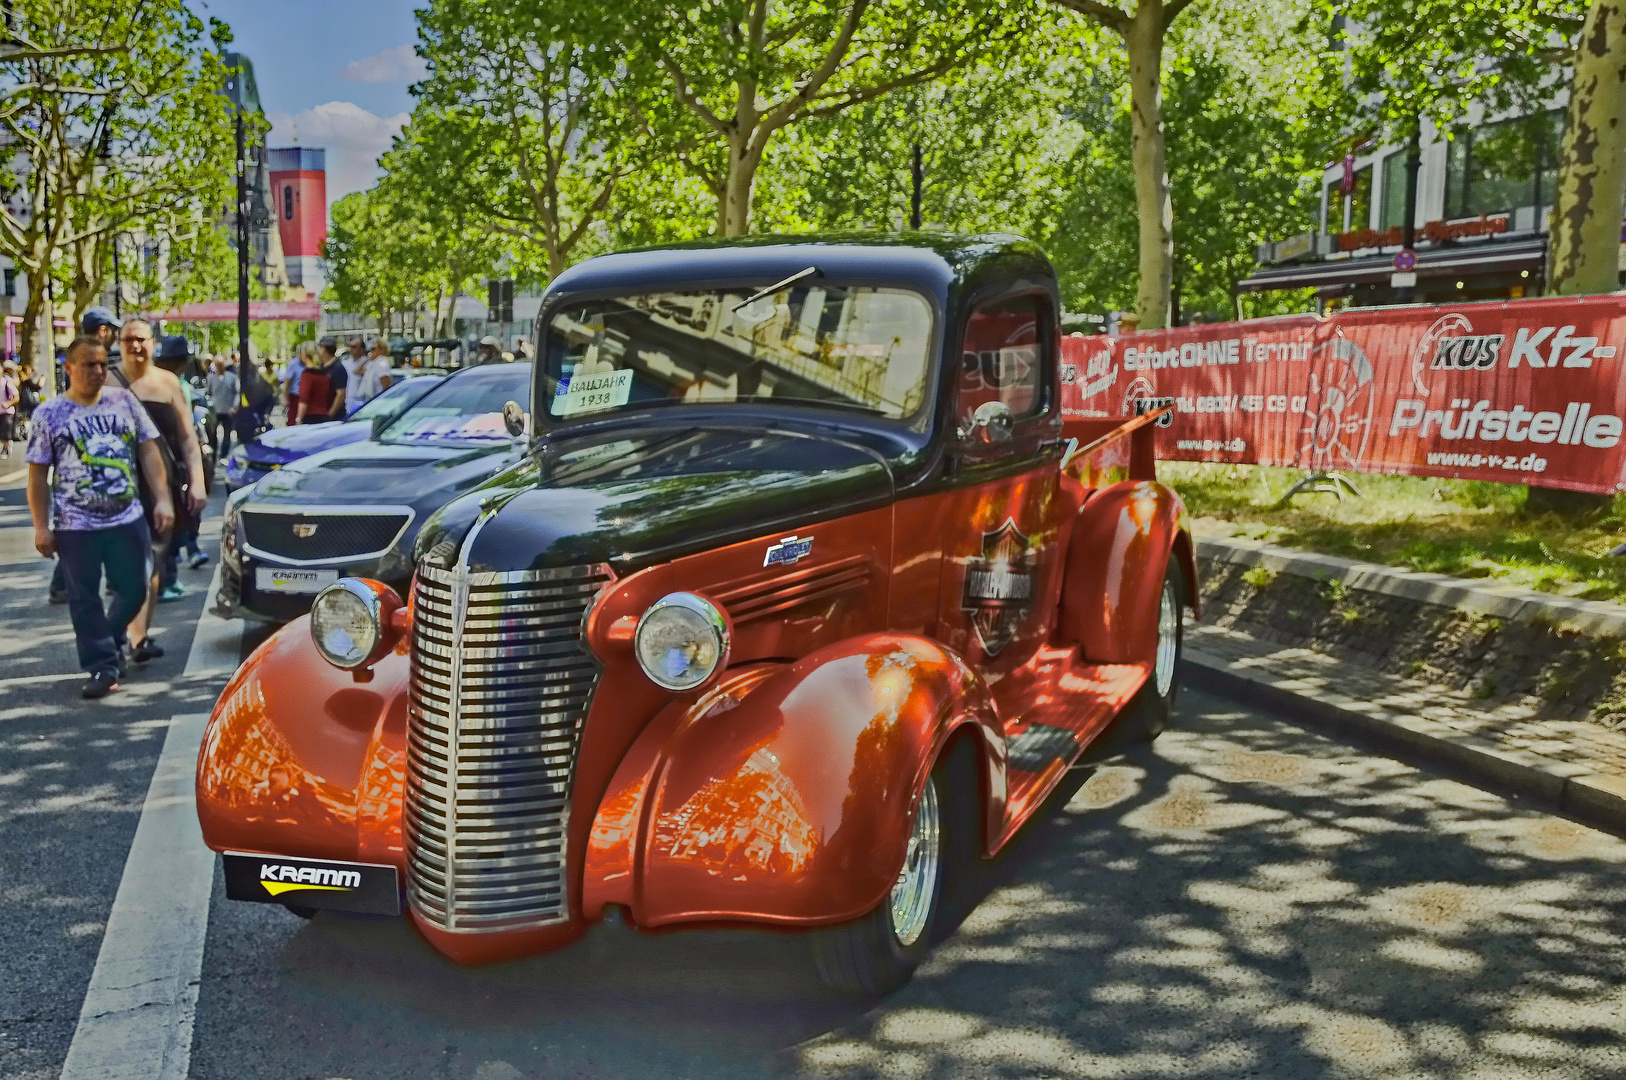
242	241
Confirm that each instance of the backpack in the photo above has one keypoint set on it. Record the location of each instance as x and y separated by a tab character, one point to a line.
252	385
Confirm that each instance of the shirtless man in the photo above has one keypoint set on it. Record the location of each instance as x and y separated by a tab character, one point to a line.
157	387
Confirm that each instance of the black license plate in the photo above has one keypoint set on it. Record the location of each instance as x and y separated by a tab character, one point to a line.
366	888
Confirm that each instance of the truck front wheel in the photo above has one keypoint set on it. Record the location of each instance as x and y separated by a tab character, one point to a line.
876	954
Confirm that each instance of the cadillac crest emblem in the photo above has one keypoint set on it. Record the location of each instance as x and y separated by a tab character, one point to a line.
305	529
999	587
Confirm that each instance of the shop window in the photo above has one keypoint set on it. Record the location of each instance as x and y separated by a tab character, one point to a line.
1498	167
1360	200
1392	192
11	281
1353	211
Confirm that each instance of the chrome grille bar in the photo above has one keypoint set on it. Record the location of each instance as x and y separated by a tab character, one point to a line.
500	685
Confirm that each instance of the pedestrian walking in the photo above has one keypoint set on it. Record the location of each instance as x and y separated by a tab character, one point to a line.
102	326
170	410
28	398
10	394
291	371
86	454
223	389
354	359
376	375
322	388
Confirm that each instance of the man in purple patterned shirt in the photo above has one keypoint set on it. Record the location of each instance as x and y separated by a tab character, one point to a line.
83	451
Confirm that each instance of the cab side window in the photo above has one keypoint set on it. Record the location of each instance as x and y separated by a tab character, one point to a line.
1003	357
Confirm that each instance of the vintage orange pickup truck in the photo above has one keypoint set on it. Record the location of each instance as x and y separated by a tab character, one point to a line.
800	601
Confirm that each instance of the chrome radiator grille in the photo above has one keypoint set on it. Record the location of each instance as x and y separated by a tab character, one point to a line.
500	684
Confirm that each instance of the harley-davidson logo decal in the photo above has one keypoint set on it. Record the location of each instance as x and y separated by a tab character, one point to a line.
999	587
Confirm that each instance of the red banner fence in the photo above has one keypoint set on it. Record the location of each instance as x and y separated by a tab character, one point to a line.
1522	391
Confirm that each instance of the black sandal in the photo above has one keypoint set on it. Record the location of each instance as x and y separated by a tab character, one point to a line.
146	650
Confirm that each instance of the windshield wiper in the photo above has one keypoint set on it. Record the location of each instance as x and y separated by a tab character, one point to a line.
811	271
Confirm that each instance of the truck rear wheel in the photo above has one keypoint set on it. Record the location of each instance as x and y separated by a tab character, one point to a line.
1153	706
877	953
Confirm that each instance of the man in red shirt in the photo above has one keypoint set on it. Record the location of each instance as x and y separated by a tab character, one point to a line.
321	389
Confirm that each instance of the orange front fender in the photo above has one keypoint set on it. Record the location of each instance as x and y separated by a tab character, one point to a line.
1116	560
784	795
299	759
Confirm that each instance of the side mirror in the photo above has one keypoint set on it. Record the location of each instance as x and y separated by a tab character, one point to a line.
513	418
991	423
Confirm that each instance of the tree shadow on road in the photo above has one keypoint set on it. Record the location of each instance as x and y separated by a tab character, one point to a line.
1241	900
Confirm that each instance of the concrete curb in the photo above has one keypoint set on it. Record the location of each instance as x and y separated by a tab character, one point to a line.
1597	798
1512	602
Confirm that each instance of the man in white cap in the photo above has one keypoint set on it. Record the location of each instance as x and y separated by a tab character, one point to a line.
490	351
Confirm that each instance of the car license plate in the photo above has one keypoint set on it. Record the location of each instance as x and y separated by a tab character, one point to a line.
368	888
272	579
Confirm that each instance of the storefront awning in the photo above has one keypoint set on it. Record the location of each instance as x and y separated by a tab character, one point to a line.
1526	253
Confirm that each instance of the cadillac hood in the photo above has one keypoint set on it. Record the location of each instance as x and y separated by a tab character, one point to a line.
636	500
421	475
290	443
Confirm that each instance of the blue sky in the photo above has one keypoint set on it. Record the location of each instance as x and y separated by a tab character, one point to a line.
332	73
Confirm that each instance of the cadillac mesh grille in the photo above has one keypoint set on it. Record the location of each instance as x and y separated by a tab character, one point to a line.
332	536
500	685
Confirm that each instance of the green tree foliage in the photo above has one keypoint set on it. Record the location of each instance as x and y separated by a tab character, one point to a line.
526	109
996	141
1244	151
115	113
1143	30
740	72
378	256
1396	60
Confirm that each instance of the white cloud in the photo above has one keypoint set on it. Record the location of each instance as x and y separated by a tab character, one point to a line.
353	137
396	65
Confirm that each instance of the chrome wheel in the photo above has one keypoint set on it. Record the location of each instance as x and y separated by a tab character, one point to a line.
912	896
1168	641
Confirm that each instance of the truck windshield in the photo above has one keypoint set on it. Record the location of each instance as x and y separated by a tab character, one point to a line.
810	344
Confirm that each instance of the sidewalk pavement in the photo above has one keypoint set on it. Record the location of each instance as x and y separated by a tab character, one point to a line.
1578	765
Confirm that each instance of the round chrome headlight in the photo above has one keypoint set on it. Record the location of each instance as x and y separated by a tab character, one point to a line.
680	641
347	623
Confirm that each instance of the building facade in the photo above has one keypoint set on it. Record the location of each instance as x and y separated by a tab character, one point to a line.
299	200
1483	201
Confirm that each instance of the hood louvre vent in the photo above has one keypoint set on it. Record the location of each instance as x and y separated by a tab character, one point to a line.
782	590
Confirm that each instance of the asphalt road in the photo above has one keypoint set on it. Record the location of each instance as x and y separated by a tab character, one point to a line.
1244	899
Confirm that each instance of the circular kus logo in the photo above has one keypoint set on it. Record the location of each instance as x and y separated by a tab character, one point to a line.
1339	407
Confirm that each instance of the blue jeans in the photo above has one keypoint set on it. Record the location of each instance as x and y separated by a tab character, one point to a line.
125	553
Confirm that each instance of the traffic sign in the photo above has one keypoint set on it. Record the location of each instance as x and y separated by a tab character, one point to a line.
1406	260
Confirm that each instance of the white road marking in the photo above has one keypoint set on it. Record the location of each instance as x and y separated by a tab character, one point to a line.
10	476
136	1023
32	680
216	641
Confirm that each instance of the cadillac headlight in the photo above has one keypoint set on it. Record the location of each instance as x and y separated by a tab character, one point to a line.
681	640
228	524
347	623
